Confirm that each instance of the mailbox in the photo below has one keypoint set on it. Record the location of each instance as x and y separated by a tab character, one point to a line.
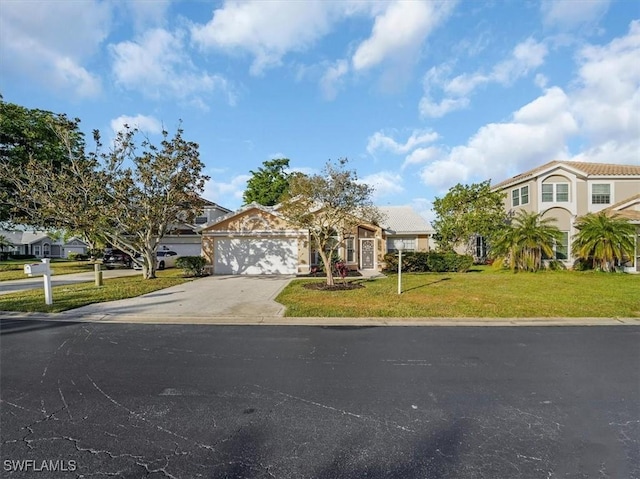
36	268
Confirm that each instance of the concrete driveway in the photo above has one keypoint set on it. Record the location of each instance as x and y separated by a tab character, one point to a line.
214	296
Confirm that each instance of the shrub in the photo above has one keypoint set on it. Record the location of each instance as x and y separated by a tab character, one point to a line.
22	256
77	257
424	262
192	265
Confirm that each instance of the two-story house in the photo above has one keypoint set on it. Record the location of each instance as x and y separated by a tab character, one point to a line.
566	190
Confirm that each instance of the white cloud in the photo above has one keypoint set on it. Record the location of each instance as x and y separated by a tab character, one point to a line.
600	109
571	14
525	57
49	43
267	30
537	133
227	193
400	30
146	124
385	183
607	98
420	156
332	78
158	66
147	14
381	141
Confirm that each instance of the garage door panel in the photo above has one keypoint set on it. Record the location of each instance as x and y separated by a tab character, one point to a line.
255	256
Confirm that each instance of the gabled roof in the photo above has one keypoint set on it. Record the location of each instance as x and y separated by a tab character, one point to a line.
587	169
24	237
620	208
267	209
403	220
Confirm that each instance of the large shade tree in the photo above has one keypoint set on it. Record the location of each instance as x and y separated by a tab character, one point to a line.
523	243
466	211
269	184
330	206
128	196
31	135
604	239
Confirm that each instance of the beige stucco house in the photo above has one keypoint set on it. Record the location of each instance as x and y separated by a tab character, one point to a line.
566	190
257	239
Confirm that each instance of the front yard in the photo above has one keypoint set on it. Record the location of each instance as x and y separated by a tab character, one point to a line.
482	292
75	295
14	269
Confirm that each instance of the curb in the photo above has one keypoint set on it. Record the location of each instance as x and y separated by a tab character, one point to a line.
317	321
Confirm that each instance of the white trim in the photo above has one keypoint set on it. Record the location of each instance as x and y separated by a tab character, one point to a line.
260	233
595	207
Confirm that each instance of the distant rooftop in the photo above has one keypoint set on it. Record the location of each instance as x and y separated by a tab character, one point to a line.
403	220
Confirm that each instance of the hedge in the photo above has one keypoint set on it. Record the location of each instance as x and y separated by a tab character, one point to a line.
429	262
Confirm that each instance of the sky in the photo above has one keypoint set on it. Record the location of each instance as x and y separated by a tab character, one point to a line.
418	95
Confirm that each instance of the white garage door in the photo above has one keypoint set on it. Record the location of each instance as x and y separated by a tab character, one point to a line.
256	256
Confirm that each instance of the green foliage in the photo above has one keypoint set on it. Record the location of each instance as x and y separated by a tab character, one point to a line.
604	239
467	210
268	185
429	262
31	135
192	265
78	257
330	205
523	243
127	197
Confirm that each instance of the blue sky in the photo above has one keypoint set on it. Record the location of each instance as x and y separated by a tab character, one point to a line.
418	95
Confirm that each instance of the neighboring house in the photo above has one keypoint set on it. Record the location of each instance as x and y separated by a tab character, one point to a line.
566	190
185	238
257	239
404	223
41	245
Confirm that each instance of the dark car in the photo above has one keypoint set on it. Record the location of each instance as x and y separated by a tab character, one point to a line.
114	258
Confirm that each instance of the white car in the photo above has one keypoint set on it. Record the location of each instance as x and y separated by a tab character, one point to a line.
167	259
164	259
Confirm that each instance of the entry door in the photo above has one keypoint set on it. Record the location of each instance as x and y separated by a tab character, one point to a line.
367	253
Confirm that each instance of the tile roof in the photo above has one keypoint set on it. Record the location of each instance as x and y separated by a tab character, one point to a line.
589	169
403	219
630	214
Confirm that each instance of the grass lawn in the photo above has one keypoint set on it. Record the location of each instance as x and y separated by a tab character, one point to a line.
14	269
483	292
75	295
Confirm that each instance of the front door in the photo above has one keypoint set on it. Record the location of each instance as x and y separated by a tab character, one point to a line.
367	253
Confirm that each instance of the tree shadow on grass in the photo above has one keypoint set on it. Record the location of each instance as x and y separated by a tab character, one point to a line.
426	284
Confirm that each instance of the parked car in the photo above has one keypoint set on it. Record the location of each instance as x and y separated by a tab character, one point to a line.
114	258
164	259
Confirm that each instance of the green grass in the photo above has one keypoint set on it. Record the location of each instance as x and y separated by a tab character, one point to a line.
14	269
483	292
75	295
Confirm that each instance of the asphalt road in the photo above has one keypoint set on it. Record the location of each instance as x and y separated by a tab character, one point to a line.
128	400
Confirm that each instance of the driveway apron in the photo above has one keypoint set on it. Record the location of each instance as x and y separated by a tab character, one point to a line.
238	296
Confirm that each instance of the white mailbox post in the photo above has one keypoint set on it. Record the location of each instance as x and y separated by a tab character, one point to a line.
44	269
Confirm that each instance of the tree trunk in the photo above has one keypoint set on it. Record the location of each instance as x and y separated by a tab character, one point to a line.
149	263
327	267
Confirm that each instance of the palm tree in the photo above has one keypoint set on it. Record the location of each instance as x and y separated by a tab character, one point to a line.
604	238
524	242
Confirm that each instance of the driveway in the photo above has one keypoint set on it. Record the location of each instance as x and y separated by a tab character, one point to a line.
227	296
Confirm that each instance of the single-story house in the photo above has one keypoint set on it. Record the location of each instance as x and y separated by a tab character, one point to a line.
257	239
41	245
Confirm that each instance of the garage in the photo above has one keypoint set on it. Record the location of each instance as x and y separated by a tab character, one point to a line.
252	255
